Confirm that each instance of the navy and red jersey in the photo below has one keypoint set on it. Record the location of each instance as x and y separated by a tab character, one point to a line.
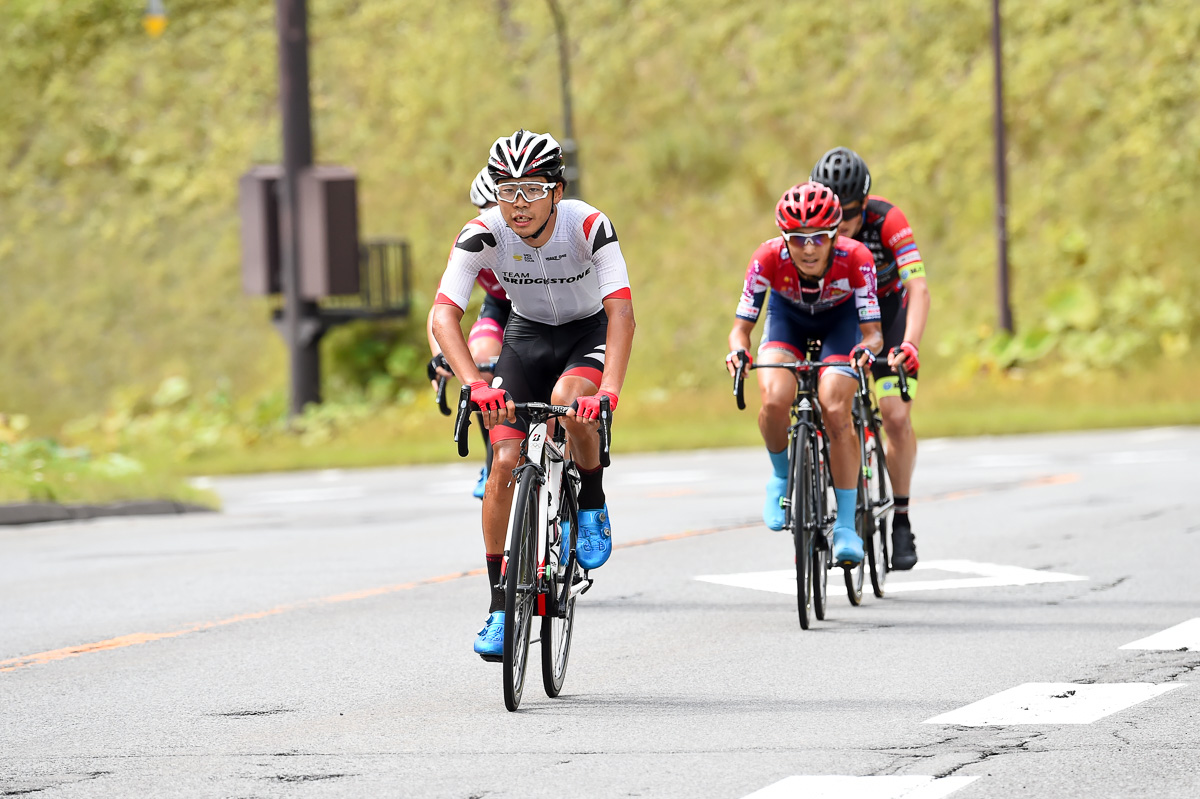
852	274
888	235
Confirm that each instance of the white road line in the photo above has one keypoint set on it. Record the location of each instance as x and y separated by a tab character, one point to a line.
1181	636
836	787
1052	703
985	575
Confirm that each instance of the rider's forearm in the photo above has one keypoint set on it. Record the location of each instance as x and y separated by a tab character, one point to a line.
739	336
918	310
618	344
448	334
434	347
872	336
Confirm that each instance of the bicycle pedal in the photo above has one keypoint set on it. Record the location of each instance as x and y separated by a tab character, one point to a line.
493	658
587	587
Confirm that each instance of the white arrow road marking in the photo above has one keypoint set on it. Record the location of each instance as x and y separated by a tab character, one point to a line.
835	787
987	575
1052	703
1181	636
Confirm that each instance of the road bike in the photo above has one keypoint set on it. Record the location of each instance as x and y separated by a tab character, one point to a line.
808	500
874	495
541	575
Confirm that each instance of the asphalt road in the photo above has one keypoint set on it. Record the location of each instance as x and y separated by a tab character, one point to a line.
315	640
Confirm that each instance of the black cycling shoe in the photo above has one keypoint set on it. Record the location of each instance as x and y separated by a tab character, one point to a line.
904	547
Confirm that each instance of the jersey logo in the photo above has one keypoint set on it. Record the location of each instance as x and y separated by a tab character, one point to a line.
474	240
604	236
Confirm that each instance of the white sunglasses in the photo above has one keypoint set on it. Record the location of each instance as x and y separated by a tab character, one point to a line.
531	191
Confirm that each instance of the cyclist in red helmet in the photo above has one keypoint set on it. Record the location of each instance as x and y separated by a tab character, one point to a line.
904	310
824	287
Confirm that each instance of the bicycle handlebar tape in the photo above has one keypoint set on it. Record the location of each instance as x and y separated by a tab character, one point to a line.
605	429
902	375
441	397
463	421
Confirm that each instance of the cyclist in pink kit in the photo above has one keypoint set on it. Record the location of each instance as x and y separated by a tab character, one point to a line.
567	341
822	286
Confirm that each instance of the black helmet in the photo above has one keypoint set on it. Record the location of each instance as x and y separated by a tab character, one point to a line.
842	170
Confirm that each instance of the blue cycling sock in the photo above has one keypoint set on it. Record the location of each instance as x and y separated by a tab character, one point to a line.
779	463
846	500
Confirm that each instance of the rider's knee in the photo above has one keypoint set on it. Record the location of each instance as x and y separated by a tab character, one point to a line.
505	455
895	416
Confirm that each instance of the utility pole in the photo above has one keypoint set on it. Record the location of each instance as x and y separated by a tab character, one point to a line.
301	328
570	149
1005	309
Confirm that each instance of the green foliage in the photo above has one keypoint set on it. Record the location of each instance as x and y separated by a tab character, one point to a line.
43	470
119	253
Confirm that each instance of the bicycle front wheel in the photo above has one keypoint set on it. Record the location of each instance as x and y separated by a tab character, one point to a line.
822	551
559	622
520	589
802	512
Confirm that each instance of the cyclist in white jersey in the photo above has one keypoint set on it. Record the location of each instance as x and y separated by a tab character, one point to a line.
567	341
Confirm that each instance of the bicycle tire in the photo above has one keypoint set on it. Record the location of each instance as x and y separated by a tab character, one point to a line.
520	589
822	550
879	491
800	510
557	631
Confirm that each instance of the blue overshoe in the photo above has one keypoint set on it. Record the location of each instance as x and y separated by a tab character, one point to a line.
481	485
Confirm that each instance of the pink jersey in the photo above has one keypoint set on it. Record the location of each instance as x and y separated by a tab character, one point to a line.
852	274
487	281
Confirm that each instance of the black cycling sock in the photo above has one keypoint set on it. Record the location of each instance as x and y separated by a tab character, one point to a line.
900	509
591	488
494	564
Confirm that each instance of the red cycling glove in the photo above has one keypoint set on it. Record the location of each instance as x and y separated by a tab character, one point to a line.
589	407
487	398
912	363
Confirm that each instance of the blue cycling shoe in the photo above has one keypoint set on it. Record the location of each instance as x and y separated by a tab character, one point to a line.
489	644
595	538
773	507
478	492
847	546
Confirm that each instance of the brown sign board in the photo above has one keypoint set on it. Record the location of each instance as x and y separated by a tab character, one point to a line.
329	247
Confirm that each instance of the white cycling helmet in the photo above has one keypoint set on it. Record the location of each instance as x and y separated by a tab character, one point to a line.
483	190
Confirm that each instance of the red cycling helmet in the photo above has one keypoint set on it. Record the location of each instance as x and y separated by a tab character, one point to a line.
809	204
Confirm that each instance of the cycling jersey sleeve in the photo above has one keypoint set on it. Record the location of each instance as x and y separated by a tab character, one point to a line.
862	280
897	236
475	249
606	256
757	284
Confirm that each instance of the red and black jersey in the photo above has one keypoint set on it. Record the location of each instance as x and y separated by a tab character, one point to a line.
888	235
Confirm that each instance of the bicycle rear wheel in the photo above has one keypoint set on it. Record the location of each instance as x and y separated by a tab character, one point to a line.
520	589
879	493
800	511
558	626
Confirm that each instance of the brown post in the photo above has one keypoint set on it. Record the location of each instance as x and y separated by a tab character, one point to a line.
301	328
1005	310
